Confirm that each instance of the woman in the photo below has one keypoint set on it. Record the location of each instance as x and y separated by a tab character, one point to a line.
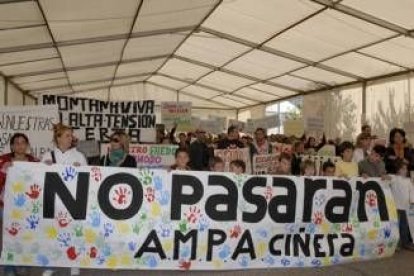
19	146
311	146
117	155
397	150
363	145
64	152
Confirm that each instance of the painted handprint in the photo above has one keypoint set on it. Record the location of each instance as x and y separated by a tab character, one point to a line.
78	230
69	174
63	219
149	194
319	199
165	230
244	261
34	191
32	221
93	252
387	232
13	229
185	251
347	227
95	219
132	246
235	231
371	199
108	229
20	200
193	214
163	197
203	223
36	207
121	195
145	176
157	180
285	262
42	260
224	252
185	265
64	239
317	218
96	174
72	253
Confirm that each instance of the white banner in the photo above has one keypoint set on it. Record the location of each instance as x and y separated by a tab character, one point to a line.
97	120
34	121
118	218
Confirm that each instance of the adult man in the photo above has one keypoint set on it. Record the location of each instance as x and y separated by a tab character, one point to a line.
199	154
232	141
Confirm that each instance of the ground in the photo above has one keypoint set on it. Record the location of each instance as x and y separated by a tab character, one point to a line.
401	264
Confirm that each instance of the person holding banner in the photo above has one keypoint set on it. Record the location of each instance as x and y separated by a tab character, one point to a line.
346	167
19	145
232	141
199	152
64	153
260	142
117	155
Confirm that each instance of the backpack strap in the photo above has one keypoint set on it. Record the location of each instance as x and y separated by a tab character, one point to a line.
52	153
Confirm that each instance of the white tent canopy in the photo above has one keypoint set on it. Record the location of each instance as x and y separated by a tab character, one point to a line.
229	54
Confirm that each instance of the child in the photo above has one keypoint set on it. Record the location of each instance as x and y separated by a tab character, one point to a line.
328	168
373	165
402	188
216	164
182	157
285	164
237	166
307	168
346	168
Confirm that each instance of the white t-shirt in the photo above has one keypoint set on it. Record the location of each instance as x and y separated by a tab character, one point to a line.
402	189
358	155
70	157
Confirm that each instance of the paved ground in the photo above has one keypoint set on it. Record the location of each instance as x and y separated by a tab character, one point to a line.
402	264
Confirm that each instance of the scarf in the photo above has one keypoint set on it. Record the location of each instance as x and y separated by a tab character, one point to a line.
116	157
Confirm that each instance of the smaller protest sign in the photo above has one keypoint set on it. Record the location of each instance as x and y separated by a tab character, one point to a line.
177	113
229	155
265	163
293	127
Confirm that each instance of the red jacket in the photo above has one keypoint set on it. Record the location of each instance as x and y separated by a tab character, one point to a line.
6	158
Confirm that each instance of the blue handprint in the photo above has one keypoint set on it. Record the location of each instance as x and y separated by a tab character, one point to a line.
244	261
311	228
300	262
132	246
269	260
224	252
95	219
203	223
291	227
100	260
165	230
185	252
106	250
108	229
42	260
151	261
285	262
33	222
64	239
69	174
319	200
335	259
163	197
157	183
262	233
20	200
387	232
316	262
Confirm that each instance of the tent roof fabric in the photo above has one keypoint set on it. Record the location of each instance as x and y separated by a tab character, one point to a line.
218	53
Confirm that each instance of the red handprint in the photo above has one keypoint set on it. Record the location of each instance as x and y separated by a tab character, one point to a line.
193	214
347	228
34	191
121	195
381	249
235	231
268	193
96	174
63	219
371	199
14	229
71	253
150	195
318	217
93	252
185	265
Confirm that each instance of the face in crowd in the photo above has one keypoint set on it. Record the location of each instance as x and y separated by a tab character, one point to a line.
182	159
116	142
64	141
233	134
260	135
329	171
20	145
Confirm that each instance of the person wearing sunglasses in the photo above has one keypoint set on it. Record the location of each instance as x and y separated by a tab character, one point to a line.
118	150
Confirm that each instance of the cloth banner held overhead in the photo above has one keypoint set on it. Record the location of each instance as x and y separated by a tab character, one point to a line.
93	217
177	113
97	120
265	163
150	155
229	155
34	121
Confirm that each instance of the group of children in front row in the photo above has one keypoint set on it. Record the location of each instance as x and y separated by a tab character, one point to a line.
372	166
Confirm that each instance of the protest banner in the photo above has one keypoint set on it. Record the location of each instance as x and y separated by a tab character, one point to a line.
120	218
265	122
265	163
293	127
281	147
229	155
150	155
239	124
319	160
96	120
34	121
176	113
